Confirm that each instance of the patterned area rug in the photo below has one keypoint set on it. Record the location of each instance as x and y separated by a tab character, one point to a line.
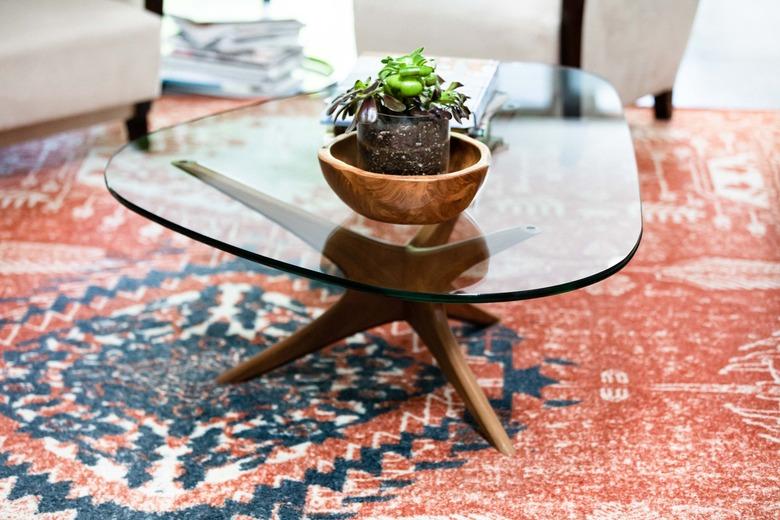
654	394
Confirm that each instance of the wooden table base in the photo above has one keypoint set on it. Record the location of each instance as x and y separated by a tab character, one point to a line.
356	312
430	263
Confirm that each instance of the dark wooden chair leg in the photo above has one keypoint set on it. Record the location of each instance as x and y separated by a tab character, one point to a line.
570	35
155	6
570	55
663	105
138	125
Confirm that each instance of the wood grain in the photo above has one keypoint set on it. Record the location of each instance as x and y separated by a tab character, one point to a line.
429	320
417	264
357	311
406	199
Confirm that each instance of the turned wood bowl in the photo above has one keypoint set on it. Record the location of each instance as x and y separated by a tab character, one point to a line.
406	199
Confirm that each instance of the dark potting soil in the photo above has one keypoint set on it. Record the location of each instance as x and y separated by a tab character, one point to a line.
405	148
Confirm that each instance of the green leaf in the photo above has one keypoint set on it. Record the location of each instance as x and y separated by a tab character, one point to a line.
405	84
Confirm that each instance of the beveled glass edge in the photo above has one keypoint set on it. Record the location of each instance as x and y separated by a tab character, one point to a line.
385	291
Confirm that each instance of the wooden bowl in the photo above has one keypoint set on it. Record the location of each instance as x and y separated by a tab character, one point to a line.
406	199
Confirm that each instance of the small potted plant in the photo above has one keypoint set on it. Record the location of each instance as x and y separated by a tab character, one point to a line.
402	117
403	166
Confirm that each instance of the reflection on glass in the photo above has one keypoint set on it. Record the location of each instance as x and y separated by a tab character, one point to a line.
428	263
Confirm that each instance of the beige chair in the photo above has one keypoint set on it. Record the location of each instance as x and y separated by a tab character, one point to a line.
637	45
69	63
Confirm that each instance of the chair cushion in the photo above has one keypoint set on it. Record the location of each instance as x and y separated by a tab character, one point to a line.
508	30
64	58
636	45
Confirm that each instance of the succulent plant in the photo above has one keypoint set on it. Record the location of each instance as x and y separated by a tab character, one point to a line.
406	85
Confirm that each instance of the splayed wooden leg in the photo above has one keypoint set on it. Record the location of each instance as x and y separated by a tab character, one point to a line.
429	320
353	313
356	312
471	314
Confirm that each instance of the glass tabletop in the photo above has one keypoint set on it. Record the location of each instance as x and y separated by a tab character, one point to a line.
559	209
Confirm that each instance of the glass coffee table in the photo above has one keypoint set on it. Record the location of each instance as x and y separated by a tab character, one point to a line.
559	210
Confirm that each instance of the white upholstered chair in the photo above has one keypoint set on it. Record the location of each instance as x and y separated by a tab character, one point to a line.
637	45
68	63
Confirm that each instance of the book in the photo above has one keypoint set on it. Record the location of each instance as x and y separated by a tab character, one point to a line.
261	67
236	59
256	55
478	77
237	34
173	68
207	86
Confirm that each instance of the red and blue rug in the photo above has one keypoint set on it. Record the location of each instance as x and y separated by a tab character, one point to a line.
654	394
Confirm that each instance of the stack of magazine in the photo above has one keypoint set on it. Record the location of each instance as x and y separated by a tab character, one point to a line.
235	59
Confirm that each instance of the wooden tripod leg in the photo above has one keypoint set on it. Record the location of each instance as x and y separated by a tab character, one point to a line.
429	320
354	312
471	314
